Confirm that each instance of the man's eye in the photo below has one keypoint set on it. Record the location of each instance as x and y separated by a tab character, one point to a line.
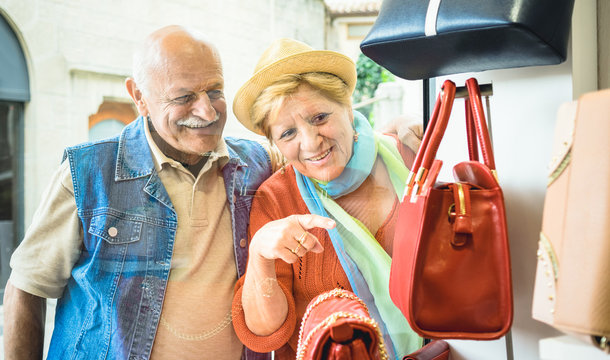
319	119
215	94
184	99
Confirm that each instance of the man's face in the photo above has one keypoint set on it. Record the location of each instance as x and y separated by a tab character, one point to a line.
185	99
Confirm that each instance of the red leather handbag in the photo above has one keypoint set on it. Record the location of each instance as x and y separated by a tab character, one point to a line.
337	326
435	350
450	273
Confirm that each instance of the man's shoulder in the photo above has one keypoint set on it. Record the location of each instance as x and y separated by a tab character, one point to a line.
235	142
93	147
112	141
131	139
133	131
247	150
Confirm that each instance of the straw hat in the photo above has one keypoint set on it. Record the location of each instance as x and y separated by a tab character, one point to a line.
287	56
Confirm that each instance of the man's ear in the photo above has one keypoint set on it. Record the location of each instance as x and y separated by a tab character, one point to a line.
136	96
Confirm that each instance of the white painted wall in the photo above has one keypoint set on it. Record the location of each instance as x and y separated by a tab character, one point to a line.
339	39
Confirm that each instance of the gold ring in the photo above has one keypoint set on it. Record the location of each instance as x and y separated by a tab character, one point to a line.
302	237
296	249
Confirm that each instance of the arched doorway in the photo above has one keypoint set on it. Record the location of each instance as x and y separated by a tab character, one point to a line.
14	93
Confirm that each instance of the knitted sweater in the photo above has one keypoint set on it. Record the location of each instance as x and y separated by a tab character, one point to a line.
313	274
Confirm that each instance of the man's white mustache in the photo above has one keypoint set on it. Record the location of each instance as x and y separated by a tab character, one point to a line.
195	121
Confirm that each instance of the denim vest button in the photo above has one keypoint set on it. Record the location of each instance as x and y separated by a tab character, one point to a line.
242	243
112	231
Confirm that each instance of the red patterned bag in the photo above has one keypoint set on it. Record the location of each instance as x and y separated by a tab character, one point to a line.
337	325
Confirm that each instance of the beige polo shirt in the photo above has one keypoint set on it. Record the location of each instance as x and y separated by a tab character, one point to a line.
196	315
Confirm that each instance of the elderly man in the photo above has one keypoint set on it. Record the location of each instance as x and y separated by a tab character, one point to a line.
143	236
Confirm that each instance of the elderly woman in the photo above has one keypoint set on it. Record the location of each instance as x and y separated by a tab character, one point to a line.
327	219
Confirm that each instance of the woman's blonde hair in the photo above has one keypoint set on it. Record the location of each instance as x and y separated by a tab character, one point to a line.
271	99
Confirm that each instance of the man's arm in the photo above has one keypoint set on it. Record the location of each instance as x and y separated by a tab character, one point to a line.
408	127
277	159
24	321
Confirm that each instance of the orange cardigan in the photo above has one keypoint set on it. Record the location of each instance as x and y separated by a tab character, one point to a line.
277	198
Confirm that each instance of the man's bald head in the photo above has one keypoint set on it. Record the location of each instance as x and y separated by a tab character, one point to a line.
178	85
172	41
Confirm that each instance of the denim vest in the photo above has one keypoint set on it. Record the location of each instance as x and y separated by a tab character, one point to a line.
111	306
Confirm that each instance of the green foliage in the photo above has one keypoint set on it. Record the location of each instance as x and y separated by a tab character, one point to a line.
370	75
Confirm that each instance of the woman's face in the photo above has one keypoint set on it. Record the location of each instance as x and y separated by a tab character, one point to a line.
314	133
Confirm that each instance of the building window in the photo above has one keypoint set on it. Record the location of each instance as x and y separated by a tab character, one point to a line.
358	30
7	154
14	93
110	119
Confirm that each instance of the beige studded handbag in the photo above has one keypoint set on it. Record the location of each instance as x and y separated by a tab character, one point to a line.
572	288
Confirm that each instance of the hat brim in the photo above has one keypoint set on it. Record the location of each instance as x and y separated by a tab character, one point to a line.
305	62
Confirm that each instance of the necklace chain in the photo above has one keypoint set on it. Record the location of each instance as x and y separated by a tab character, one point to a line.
201	336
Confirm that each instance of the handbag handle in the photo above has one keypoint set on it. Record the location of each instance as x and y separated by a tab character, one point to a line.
473	149
424	143
478	114
475	122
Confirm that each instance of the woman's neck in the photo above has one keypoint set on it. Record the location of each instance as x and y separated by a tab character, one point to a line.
373	201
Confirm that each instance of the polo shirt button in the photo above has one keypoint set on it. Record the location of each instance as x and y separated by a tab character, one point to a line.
112	231
242	243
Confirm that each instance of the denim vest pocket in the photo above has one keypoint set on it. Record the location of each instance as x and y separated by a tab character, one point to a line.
115	229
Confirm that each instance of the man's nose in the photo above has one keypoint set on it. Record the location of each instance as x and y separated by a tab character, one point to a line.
203	108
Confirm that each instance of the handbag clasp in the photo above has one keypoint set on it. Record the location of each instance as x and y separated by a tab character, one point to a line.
460	216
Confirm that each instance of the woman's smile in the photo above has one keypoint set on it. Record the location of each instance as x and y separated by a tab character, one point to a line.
322	156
